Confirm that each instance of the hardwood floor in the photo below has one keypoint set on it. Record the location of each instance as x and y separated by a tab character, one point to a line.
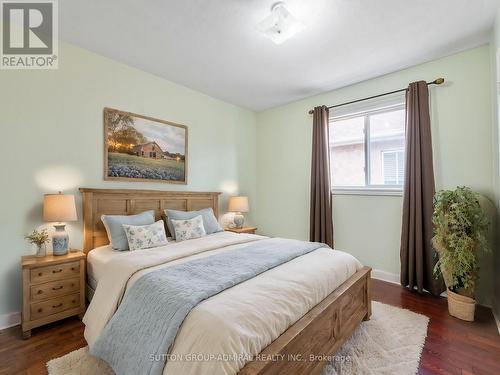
18	356
452	346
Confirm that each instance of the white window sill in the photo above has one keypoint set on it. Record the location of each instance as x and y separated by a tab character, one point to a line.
365	191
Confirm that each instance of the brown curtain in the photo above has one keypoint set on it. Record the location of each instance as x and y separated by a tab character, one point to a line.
417	254
321	222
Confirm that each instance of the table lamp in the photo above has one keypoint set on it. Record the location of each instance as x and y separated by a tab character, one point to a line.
238	205
59	208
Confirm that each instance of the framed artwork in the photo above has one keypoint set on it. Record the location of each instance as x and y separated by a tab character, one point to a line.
141	148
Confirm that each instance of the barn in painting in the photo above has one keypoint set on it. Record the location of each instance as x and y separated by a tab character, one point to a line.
149	150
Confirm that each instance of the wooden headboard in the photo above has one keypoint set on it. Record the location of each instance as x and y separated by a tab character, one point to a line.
97	202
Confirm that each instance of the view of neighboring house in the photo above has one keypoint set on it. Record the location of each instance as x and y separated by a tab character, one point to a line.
372	146
149	150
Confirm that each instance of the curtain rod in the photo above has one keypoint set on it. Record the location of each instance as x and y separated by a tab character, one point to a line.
437	81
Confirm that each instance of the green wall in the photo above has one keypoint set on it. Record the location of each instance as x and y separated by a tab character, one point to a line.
369	226
52	136
495	89
53	140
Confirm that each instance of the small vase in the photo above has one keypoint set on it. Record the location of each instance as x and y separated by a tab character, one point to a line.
41	251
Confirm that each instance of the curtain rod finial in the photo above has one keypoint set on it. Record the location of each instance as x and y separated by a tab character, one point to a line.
439	81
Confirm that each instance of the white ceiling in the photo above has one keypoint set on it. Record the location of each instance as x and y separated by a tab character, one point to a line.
212	45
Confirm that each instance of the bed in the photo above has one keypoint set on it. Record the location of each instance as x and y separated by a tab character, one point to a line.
283	321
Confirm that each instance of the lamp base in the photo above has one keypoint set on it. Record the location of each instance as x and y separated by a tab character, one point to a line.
60	240
239	219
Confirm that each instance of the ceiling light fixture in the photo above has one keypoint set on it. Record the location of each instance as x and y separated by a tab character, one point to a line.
280	25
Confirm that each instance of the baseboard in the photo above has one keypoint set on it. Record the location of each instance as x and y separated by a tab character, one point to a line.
10	320
385	276
497	320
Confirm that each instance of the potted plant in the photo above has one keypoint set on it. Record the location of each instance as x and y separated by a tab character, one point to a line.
39	238
460	229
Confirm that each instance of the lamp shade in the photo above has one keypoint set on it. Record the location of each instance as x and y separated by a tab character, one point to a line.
59	207
238	204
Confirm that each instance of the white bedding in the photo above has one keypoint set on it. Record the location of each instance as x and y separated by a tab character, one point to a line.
97	261
239	322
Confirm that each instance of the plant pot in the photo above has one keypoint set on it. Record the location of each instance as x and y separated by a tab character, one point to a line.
461	307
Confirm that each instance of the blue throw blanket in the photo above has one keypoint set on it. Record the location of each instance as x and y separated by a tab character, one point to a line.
145	325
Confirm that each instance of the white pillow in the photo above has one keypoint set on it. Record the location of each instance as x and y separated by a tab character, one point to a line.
145	236
189	229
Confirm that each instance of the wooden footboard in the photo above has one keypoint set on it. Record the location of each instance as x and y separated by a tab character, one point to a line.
306	346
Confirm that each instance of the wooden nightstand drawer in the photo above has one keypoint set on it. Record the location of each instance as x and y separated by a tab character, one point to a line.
54	289
54	305
56	272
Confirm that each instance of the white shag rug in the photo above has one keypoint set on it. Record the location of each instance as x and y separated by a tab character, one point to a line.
389	343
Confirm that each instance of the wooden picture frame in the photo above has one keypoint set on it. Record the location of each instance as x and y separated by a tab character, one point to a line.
138	148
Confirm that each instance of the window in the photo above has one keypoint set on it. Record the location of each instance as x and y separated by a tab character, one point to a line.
367	143
393	167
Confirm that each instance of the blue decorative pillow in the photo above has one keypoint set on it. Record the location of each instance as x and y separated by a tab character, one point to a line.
114	227
210	222
145	236
189	229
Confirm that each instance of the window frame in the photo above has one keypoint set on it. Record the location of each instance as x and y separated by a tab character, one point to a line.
368	189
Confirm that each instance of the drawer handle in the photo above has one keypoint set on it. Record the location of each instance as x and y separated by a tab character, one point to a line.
40	310
39	291
73	301
57	271
72	268
56	306
58	288
40	274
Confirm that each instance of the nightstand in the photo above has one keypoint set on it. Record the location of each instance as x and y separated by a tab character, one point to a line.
53	289
250	230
